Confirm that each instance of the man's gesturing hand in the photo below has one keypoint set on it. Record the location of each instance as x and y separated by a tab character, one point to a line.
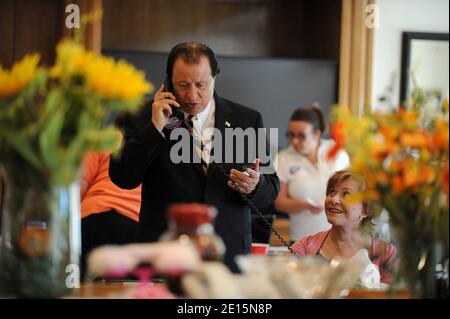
245	182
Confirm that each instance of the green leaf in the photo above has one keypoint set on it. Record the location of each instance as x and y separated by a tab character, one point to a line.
101	140
50	135
22	144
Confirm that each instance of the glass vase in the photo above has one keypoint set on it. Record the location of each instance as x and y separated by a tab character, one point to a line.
40	235
421	262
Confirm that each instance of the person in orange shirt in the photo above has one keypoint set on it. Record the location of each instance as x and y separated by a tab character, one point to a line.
109	214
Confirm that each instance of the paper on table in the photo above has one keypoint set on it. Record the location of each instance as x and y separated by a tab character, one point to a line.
278	250
370	276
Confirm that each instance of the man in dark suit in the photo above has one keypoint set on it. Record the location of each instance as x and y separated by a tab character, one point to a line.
146	154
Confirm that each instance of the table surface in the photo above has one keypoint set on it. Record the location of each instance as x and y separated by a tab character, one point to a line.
120	289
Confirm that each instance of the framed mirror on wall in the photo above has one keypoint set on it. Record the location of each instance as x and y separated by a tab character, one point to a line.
425	65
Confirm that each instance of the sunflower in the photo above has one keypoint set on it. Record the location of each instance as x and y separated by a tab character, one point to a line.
116	80
68	53
20	76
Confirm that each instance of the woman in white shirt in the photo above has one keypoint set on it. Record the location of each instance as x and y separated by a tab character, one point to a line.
304	169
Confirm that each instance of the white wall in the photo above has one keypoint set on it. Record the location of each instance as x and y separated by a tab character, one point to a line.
397	16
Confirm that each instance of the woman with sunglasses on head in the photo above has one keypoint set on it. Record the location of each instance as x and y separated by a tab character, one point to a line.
304	169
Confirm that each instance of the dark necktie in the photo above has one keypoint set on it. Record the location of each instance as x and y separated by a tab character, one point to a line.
194	129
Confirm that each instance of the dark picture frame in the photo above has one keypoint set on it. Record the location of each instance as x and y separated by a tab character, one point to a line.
407	38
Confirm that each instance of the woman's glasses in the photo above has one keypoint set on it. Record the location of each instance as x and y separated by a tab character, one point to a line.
299	135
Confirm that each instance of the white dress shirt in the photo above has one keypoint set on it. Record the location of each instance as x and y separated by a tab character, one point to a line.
203	130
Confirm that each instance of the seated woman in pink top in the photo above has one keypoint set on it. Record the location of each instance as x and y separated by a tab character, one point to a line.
349	233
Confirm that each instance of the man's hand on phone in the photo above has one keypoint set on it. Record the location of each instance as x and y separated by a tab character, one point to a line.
161	107
245	182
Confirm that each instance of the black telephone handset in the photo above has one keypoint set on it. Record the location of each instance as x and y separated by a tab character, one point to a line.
177	117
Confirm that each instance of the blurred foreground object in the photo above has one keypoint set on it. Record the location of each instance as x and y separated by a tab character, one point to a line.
49	119
194	223
275	277
143	261
164	258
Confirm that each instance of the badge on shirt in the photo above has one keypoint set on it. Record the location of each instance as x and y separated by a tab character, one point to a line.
294	169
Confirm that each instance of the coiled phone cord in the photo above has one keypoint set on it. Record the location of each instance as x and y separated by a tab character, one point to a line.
256	209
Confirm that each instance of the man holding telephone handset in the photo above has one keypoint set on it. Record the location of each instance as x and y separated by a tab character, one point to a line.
188	99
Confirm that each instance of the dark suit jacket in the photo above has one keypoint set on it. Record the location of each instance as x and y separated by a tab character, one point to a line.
145	158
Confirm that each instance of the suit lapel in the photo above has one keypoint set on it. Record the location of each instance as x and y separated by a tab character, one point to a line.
197	166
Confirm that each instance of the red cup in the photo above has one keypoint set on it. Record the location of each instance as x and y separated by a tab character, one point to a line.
260	249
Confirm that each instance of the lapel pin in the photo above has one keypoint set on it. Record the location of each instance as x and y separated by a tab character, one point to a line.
227	124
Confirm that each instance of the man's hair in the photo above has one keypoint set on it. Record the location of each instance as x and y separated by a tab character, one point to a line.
191	52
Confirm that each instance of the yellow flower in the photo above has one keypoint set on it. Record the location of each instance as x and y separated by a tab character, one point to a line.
380	150
69	59
445	106
411	175
21	74
359	165
117	80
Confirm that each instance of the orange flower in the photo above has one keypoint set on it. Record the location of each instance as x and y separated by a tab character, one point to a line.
413	140
359	166
445	180
382	178
398	166
380	151
338	135
411	177
427	174
407	118
397	185
440	137
388	132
